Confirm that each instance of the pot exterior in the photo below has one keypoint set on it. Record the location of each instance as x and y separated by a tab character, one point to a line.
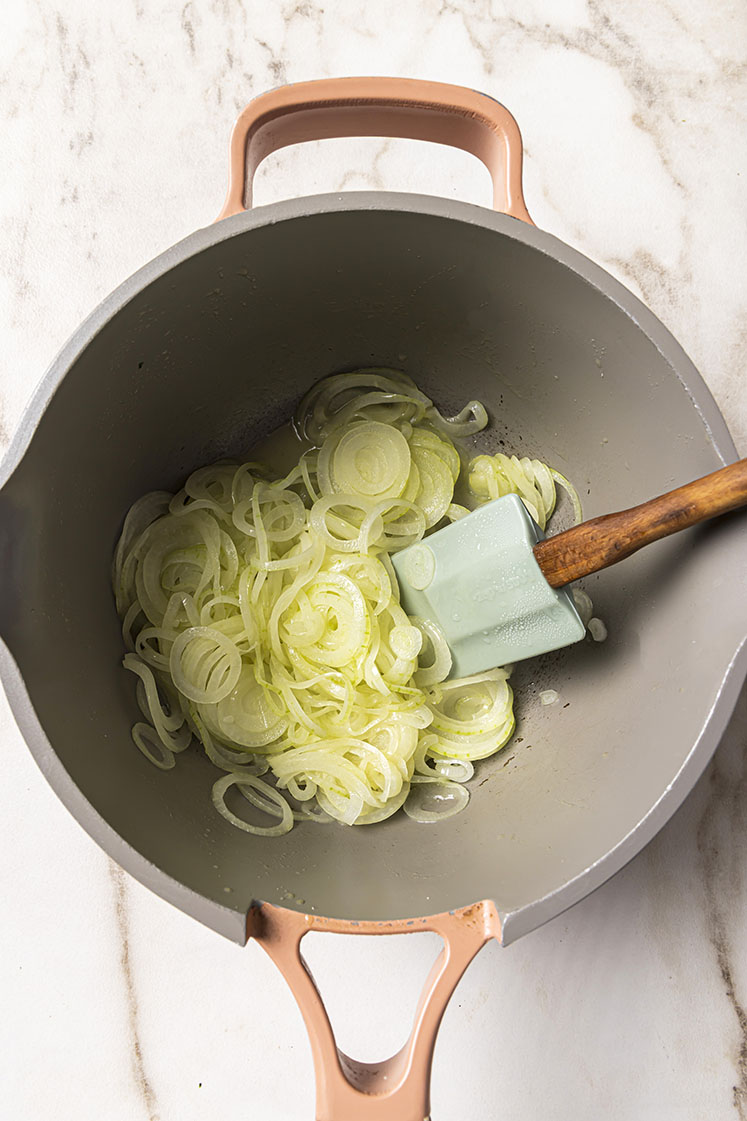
209	347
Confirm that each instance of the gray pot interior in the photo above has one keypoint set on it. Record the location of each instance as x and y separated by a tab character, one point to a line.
211	348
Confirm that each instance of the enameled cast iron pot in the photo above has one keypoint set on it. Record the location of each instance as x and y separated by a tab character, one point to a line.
209	347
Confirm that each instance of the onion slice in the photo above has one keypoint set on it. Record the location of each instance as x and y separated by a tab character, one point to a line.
435	799
273	803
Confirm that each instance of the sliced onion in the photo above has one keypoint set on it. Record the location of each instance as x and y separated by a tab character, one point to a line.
436	485
245	715
459	770
406	641
386	811
472	418
597	630
168	726
149	742
472	721
345	620
262	618
438	668
205	665
368	459
274	804
578	512
434	799
441	446
583	603
345	522
492	476
319	411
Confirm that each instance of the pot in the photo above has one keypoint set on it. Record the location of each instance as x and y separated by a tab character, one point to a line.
209	347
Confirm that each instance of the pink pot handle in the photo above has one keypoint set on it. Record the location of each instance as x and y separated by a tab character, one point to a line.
404	107
397	1089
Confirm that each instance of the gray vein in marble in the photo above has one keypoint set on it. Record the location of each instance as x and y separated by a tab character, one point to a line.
275	65
608	42
305	11
477	42
16	265
144	1087
735	389
73	59
290	14
373	173
653	278
81	141
658	285
723	955
726	810
188	27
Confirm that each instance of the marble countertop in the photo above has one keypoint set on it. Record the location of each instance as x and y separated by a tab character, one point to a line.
115	119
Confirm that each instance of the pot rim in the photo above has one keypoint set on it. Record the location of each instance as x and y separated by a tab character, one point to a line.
311	205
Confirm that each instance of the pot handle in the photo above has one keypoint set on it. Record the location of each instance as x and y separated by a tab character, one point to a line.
404	107
397	1089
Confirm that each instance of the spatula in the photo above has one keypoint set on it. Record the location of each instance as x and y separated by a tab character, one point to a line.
496	586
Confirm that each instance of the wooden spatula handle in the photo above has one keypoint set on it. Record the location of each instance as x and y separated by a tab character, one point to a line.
604	541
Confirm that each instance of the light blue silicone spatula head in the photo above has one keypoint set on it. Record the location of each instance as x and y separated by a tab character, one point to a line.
479	581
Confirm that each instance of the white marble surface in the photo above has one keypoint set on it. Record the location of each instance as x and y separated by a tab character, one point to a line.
115	118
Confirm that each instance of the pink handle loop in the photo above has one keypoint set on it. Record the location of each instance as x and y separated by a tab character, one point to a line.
397	1089
404	107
